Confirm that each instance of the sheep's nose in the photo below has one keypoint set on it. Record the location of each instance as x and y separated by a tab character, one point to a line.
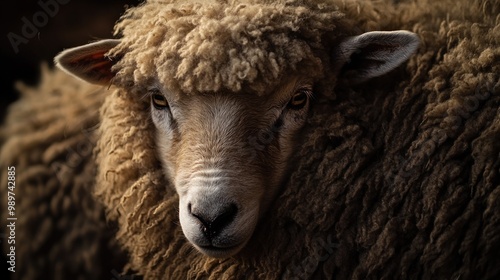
213	224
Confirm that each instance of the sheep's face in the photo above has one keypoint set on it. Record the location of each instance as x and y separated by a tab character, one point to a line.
227	154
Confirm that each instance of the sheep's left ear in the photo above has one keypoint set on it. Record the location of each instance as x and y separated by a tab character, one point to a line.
372	54
89	62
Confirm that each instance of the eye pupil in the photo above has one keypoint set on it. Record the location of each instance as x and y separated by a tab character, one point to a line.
298	101
299	98
159	101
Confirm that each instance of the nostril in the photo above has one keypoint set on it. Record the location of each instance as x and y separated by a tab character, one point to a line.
211	227
224	219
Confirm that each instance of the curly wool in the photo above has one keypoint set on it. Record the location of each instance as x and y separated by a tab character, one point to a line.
216	45
406	167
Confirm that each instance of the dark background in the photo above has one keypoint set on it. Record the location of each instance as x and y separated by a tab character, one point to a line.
72	23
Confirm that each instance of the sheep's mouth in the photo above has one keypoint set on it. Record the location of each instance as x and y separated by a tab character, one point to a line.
215	248
219	252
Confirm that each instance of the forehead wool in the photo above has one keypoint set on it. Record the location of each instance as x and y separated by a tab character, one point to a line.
212	45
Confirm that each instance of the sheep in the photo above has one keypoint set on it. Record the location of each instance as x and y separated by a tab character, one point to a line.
203	142
226	119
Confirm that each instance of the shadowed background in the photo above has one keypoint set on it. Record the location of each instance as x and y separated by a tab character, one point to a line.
73	23
70	23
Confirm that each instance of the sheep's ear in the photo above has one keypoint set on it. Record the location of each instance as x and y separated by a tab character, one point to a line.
89	62
374	53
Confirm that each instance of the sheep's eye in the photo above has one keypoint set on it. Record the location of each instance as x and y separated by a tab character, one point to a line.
159	101
299	100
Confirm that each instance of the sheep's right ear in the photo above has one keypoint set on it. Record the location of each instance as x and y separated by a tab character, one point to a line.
89	62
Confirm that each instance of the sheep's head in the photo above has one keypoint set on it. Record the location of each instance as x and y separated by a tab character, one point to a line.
226	149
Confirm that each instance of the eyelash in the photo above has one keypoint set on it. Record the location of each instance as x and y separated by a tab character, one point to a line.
158	100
